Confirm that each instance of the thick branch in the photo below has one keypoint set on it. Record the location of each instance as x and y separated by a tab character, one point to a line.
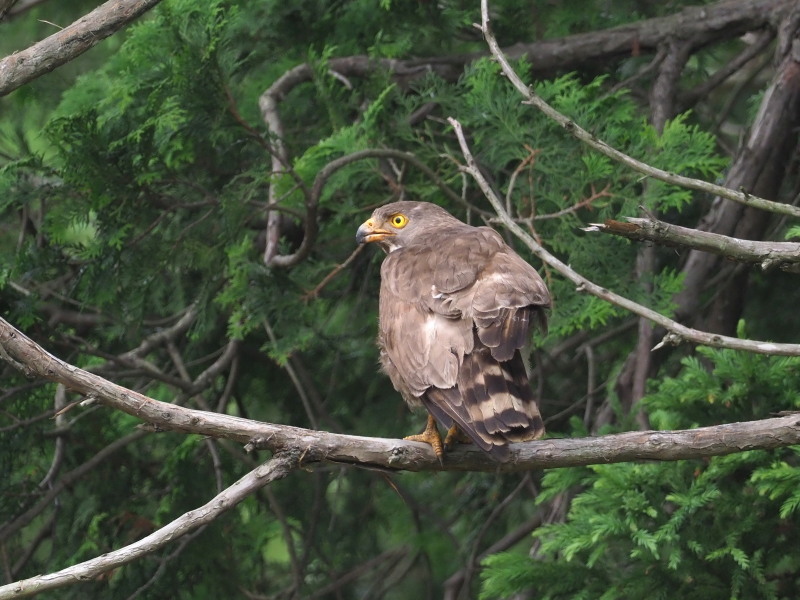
320	446
72	41
276	468
705	24
722	20
784	255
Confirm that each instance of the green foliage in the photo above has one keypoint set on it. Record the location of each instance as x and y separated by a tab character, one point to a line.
793	232
134	185
718	528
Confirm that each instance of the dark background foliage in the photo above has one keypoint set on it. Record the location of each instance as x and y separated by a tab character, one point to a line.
134	191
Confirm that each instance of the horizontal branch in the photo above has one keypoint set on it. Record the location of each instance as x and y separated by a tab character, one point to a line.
320	446
740	196
72	41
276	468
784	255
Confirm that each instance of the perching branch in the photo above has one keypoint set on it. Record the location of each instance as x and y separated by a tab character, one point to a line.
677	332
72	41
276	468
320	446
784	255
593	142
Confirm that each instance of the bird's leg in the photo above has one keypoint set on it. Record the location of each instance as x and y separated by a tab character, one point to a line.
430	436
455	436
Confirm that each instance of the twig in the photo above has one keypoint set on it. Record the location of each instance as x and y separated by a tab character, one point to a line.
59	402
314	194
10	528
498	509
453	584
702	90
298	384
677	332
585	203
312	294
162	564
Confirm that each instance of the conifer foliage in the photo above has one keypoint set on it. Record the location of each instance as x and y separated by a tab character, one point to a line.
178	208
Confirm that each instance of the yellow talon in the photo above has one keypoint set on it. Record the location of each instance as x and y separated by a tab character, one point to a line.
431	437
455	436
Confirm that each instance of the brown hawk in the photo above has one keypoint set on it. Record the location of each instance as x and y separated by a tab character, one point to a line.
456	307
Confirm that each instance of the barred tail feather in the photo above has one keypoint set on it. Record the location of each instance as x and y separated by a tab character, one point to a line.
492	403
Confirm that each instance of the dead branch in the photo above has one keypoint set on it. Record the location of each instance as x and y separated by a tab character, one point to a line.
768	255
72	41
321	446
5	6
314	194
276	468
752	50
760	166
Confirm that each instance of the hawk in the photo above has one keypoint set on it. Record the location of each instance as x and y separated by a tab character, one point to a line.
457	305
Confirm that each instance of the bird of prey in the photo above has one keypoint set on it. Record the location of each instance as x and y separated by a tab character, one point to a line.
457	305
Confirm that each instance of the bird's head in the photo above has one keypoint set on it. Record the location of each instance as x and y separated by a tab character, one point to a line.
400	224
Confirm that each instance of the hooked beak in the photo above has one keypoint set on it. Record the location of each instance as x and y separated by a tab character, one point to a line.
368	232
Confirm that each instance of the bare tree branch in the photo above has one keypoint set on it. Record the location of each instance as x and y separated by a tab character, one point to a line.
20	7
768	255
276	468
321	446
753	49
698	26
592	141
72	41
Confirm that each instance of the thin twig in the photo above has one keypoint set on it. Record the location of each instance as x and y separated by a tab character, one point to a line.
312	294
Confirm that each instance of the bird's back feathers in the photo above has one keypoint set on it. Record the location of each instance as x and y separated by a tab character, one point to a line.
457	305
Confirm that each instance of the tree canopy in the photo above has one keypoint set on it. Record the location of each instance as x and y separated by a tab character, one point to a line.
180	187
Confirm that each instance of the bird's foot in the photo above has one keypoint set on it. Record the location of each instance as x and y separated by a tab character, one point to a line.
455	436
430	436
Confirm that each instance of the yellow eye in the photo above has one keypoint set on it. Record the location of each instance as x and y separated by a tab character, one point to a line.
399	221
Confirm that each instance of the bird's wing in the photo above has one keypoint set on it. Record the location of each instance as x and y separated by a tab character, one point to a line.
425	346
452	320
507	298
